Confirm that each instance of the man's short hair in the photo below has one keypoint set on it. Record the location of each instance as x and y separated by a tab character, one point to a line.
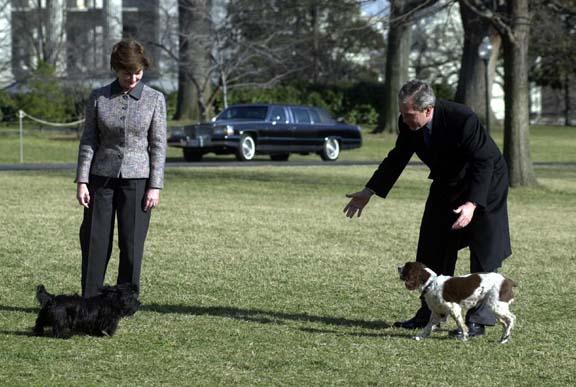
421	92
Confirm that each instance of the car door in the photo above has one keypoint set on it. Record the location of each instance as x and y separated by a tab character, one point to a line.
278	129
304	133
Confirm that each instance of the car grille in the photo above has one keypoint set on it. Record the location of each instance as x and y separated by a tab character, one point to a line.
196	131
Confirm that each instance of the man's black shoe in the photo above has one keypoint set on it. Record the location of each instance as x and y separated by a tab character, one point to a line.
474	330
413	323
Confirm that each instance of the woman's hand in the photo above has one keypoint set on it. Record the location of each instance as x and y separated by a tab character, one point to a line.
152	198
83	195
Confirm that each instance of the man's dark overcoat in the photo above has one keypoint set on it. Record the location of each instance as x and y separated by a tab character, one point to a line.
465	165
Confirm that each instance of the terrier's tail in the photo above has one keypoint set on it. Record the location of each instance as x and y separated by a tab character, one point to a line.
43	296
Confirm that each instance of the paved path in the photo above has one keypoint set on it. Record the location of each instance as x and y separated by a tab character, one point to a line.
234	163
200	164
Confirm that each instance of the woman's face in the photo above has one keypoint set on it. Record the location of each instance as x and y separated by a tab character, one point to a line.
128	80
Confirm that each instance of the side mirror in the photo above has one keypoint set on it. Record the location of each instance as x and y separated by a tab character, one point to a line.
340	120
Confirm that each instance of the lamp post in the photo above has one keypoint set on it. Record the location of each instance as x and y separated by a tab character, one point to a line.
485	52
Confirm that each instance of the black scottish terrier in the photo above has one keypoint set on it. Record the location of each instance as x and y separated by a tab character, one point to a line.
94	316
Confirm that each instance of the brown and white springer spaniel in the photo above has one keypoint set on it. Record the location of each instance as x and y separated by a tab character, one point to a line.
447	295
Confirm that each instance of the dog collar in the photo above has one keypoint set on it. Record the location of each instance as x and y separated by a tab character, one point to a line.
426	288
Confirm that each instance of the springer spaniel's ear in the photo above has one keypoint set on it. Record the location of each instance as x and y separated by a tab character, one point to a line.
411	275
424	275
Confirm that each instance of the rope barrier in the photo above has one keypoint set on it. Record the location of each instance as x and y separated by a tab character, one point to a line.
22	114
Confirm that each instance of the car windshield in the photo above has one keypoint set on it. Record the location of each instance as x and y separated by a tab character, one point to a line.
244	113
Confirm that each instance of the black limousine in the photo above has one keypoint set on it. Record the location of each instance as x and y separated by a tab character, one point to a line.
273	129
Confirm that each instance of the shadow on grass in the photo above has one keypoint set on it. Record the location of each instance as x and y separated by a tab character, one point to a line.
400	333
19	333
261	316
9	308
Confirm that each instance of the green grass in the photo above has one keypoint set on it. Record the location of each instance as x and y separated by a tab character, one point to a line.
253	276
548	144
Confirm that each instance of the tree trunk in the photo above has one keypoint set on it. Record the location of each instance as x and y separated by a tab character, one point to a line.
193	67
516	121
567	101
54	38
471	89
315	43
397	62
112	23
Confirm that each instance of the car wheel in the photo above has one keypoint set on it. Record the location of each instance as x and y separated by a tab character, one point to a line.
280	157
246	148
192	155
330	149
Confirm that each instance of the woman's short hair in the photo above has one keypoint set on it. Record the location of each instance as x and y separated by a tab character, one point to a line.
129	55
421	92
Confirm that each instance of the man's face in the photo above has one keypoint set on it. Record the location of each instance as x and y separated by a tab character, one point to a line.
415	119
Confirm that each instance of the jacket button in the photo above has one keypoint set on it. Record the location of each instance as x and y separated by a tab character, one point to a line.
122	118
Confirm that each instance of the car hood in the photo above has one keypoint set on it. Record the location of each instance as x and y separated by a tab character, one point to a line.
232	122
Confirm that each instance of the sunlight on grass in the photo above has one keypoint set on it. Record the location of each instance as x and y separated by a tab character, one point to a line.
253	276
548	144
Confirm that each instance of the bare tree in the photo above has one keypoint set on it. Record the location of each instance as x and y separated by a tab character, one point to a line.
437	46
513	25
472	85
5	41
53	32
397	58
554	57
517	94
239	43
194	81
38	35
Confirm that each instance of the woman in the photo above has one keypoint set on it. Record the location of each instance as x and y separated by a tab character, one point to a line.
120	168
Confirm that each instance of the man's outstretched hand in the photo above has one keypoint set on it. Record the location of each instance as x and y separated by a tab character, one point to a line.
358	201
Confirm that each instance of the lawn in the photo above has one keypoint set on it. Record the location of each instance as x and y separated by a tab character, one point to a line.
548	144
253	276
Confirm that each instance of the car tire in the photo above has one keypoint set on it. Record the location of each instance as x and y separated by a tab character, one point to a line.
280	157
192	155
330	149
246	148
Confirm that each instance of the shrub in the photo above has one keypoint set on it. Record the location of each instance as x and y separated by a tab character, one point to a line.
357	103
444	91
8	109
362	114
45	97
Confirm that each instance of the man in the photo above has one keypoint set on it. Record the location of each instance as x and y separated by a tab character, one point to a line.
467	201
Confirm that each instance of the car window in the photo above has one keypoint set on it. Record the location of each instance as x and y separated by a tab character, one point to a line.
244	113
301	115
315	116
325	116
278	114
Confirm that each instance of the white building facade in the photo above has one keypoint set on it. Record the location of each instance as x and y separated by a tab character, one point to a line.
76	37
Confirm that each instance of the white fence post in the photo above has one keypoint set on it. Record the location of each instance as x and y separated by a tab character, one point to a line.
20	117
22	114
